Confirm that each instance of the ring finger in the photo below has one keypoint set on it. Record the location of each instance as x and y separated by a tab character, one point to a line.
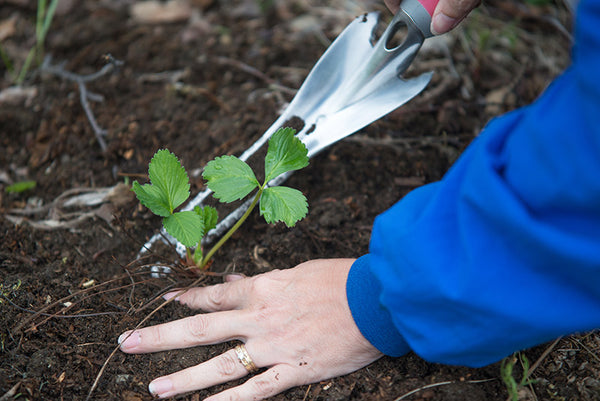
220	369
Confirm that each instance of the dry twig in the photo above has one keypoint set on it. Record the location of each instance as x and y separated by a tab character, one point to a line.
10	393
255	73
84	94
402	397
541	358
85	294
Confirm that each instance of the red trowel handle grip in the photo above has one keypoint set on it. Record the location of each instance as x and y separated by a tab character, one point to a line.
429	5
420	11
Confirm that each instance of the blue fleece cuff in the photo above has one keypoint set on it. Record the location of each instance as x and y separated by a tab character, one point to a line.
372	318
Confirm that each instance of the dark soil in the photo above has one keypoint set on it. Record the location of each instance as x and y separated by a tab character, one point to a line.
67	292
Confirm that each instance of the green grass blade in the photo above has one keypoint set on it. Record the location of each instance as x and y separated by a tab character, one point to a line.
39	21
20	186
25	68
48	19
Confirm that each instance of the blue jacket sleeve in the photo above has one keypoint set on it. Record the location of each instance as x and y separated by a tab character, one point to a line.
504	252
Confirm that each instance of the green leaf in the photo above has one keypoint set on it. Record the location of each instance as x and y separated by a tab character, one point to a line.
167	174
285	153
187	227
230	178
208	215
283	204
20	186
152	197
169	184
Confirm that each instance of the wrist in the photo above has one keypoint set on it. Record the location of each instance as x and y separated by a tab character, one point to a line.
374	321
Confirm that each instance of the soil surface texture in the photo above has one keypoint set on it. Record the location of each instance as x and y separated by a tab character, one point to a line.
205	78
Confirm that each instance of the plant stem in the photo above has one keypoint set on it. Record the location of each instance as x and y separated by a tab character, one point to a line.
233	229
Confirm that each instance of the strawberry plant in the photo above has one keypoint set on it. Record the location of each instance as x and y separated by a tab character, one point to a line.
230	179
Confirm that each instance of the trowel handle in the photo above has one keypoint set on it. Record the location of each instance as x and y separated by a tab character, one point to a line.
420	12
429	5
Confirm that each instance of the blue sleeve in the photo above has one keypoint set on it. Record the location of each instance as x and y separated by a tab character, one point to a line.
504	252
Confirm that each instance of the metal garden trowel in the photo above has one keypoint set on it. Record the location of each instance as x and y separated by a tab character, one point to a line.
353	84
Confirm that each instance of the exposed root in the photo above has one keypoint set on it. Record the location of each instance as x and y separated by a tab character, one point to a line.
65	303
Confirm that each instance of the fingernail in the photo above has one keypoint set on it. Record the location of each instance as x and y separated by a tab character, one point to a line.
441	23
233	277
127	341
160	386
170	295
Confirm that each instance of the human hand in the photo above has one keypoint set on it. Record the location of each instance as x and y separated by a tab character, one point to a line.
447	14
295	323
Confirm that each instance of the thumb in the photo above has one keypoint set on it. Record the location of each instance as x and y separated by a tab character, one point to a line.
449	13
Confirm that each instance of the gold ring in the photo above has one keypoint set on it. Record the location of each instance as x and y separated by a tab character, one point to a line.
244	357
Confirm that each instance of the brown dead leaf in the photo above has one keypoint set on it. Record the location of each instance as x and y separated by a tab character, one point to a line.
8	27
106	213
15	95
120	195
131	396
157	12
203	4
128	154
499	100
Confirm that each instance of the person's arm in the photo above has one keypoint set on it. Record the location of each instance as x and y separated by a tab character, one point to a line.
504	252
441	244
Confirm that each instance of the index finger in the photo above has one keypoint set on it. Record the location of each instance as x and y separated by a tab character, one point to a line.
201	329
219	297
